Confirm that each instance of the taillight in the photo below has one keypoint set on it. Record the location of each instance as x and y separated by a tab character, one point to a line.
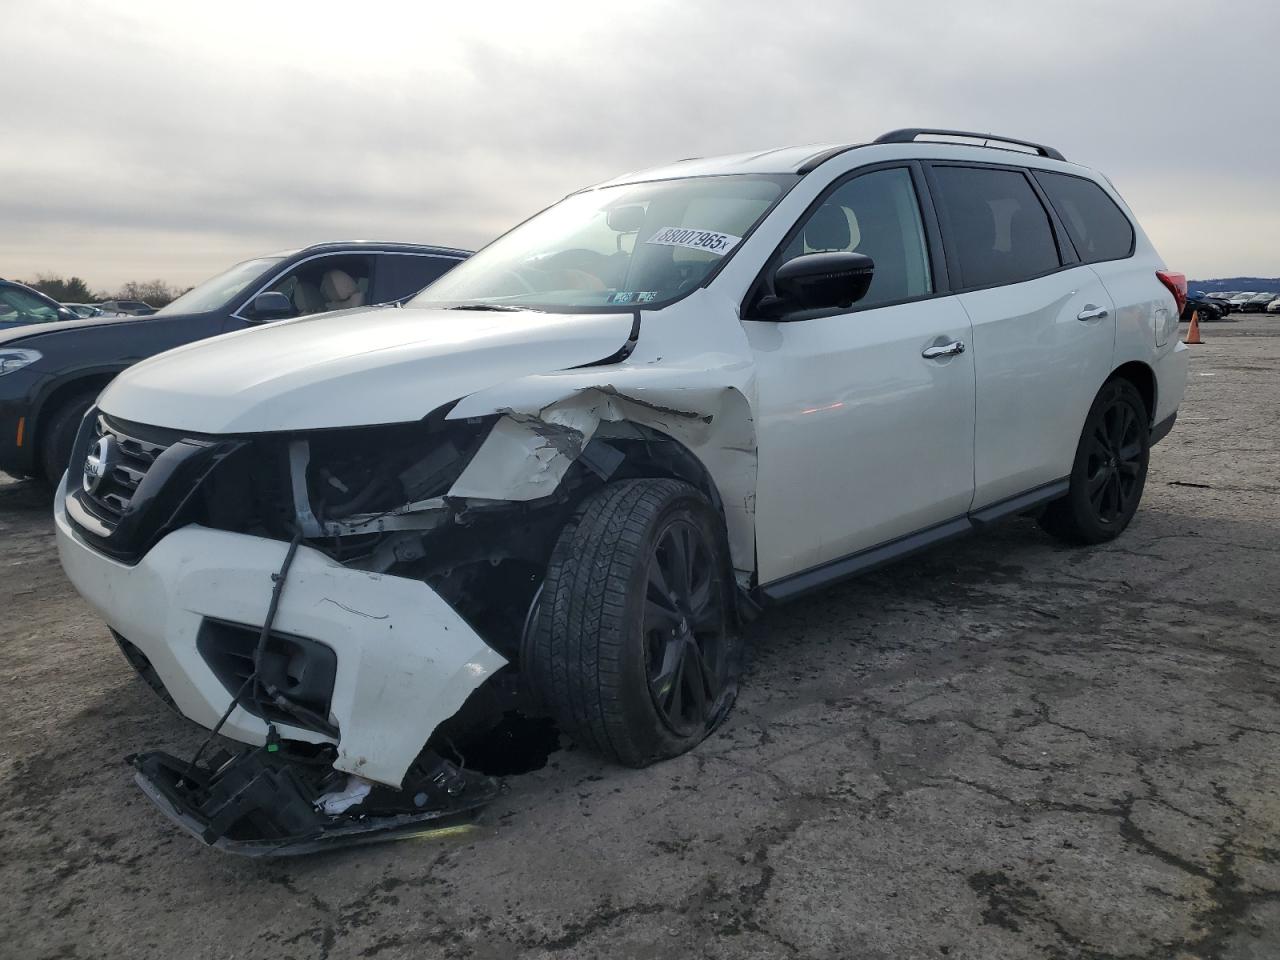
1177	284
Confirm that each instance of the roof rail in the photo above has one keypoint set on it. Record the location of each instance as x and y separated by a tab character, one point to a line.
911	134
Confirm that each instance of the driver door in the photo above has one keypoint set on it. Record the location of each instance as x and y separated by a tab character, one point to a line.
865	426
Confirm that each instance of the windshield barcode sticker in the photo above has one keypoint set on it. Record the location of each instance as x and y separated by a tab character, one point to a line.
708	240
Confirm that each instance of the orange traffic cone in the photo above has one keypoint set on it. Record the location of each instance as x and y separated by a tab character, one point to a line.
1193	334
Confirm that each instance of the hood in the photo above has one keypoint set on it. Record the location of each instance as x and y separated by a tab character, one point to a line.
357	367
11	335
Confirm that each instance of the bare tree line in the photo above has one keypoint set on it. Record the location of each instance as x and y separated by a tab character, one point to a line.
75	290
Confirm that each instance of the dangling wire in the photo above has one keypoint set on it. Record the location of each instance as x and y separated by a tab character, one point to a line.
251	681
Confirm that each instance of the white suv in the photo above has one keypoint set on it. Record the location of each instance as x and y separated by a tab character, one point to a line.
566	471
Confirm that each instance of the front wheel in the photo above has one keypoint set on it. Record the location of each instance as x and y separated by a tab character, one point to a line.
633	648
60	436
1109	472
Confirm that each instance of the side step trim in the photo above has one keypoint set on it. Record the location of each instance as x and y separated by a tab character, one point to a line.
842	568
1020	503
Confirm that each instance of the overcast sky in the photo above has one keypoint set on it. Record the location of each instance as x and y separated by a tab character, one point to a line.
143	140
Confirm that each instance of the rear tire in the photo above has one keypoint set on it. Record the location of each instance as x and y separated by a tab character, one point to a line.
55	446
1109	471
633	650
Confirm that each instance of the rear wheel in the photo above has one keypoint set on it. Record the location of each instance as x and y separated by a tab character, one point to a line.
633	649
58	437
1110	469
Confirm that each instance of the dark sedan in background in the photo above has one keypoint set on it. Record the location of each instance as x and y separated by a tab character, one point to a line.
50	372
1258	302
1208	308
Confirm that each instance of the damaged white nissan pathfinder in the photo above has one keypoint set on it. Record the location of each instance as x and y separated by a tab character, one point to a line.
563	475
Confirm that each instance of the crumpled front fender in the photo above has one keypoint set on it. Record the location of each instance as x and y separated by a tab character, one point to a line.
547	421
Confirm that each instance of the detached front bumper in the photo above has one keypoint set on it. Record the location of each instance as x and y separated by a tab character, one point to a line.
405	661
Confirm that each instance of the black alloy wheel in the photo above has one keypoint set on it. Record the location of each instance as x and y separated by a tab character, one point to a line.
684	629
633	647
1116	463
1109	470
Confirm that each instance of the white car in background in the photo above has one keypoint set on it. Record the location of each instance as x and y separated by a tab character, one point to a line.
568	470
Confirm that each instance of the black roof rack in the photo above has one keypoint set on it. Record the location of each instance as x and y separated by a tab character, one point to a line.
911	134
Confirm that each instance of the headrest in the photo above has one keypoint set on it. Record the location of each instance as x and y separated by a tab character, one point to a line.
828	229
337	285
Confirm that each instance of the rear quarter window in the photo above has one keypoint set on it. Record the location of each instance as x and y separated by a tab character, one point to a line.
1098	228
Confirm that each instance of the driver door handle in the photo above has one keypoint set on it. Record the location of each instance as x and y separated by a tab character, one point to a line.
1090	312
943	350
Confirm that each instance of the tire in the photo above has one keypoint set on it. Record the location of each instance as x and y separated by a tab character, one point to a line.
57	438
1109	471
610	647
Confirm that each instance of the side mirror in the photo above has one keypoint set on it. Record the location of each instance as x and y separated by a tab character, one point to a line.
272	305
628	219
66	313
819	281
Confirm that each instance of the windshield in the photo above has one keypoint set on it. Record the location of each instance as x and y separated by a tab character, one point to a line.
615	247
215	293
19	306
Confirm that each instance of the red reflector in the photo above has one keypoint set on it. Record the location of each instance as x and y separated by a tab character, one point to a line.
22	426
1177	284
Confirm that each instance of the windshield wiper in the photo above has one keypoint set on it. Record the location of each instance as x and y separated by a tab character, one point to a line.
502	307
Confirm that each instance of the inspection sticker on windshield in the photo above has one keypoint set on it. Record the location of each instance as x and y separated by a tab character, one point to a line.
708	240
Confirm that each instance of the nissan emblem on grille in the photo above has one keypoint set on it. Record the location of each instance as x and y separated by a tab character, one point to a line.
100	462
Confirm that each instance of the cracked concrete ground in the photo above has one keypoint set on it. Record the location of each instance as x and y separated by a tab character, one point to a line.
1005	749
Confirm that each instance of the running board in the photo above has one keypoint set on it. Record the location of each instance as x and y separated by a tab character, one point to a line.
815	578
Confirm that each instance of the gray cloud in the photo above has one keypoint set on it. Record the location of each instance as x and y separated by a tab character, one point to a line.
163	141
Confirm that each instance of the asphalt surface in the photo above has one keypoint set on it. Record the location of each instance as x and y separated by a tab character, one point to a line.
1006	749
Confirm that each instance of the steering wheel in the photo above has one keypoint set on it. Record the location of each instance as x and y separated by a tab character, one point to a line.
518	274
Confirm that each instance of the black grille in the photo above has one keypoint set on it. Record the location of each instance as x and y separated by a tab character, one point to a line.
134	453
151	484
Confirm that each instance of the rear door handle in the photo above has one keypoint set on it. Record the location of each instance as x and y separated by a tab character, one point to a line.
943	350
1090	312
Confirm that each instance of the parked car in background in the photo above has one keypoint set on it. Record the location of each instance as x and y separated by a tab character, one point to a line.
84	310
1258	302
50	373
1223	300
127	308
21	306
590	451
1206	308
1274	306
1238	300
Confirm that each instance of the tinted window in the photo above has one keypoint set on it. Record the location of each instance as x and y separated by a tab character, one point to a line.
875	214
322	284
997	225
401	275
1097	227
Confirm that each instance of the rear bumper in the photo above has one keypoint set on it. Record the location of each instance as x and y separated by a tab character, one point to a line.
1161	429
405	660
1171	383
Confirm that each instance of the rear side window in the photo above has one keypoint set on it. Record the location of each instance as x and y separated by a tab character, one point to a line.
402	275
1098	228
998	228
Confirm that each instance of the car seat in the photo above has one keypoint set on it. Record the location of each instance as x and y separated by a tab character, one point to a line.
340	291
